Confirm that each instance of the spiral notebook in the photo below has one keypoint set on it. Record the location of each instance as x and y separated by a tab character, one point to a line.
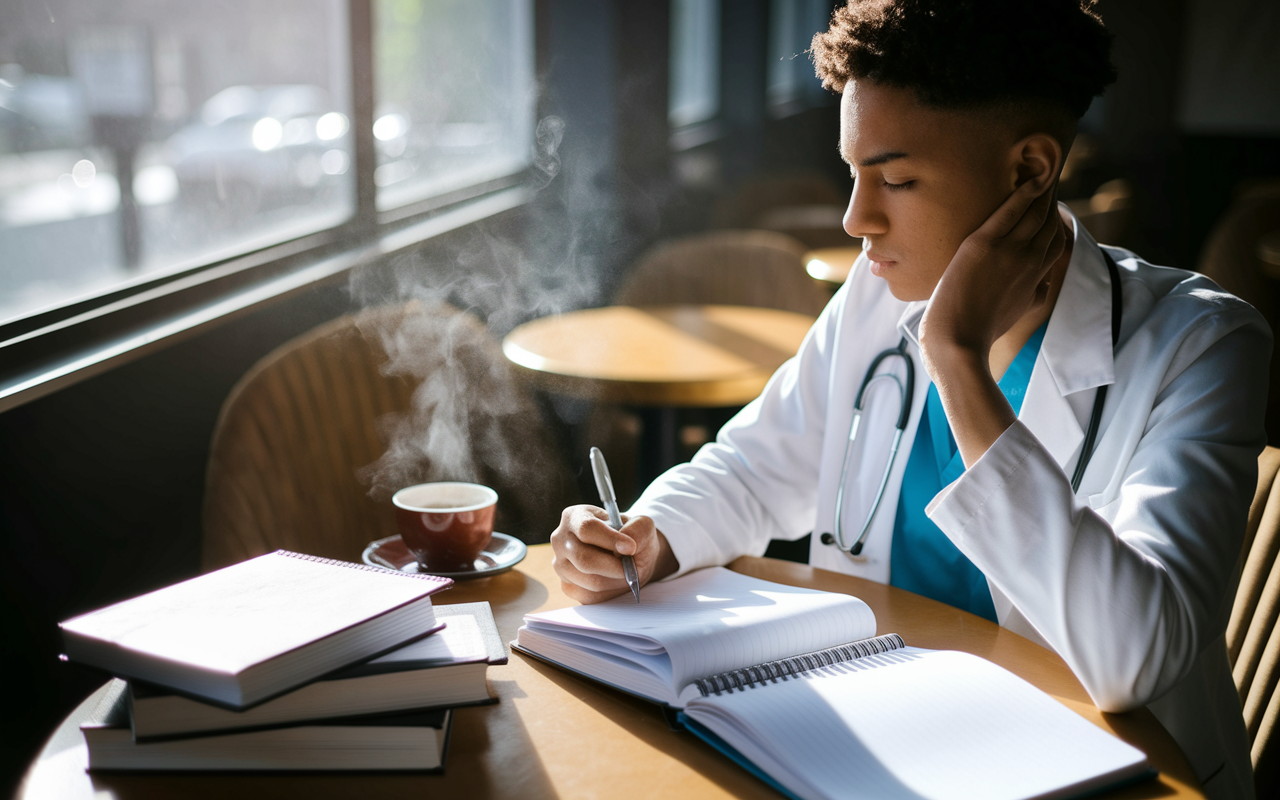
248	632
795	686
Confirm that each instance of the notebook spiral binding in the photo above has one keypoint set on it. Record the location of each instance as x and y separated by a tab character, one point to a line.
365	567
750	677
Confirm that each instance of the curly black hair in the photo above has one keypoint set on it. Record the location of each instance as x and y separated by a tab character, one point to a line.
966	53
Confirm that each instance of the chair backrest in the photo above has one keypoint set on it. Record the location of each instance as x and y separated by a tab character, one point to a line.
745	204
1230	254
1253	644
1230	259
745	268
316	436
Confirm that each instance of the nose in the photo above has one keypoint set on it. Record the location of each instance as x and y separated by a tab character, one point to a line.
864	217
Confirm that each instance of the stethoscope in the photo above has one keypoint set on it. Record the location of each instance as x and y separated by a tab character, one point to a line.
906	396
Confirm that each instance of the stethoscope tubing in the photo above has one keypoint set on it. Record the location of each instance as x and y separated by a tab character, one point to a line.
907	394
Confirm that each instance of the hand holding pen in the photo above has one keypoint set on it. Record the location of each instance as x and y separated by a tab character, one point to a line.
588	553
605	486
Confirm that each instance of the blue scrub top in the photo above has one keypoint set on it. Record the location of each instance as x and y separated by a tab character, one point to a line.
923	560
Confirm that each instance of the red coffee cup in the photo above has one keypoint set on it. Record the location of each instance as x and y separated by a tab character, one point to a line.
445	525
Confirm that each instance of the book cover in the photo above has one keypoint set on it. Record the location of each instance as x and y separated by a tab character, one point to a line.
244	633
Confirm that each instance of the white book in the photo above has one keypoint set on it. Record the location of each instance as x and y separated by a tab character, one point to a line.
794	685
242	634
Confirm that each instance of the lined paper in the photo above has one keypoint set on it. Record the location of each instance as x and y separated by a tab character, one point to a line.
710	621
917	724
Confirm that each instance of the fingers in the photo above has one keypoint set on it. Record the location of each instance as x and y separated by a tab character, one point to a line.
1050	239
593	528
591	581
586	552
1011	212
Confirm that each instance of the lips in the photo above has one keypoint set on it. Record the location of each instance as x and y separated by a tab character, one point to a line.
879	263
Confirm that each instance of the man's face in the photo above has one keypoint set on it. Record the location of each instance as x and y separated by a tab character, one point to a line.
924	180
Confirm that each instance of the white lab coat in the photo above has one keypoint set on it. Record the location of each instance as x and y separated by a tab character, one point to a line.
1131	580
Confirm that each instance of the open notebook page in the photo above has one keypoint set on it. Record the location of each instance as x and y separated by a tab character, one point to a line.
917	724
706	622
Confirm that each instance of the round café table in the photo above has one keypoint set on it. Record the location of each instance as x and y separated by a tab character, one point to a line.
556	735
831	265
657	359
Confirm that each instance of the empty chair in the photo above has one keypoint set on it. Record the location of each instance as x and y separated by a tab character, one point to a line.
745	268
1230	258
1253	643
315	438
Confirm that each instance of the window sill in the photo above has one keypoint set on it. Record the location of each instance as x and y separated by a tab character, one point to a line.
43	358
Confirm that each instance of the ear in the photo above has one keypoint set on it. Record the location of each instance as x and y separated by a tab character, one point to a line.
1037	158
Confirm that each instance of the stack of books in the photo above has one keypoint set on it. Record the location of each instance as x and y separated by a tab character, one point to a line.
284	662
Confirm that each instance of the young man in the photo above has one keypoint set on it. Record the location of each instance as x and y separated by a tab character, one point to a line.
1023	335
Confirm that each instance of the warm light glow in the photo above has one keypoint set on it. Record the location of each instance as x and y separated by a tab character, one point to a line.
267	133
331	126
818	269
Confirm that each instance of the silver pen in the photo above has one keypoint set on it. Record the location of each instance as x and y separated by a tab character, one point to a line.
605	485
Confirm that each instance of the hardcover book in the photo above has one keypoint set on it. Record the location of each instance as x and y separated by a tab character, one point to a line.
415	741
242	634
445	669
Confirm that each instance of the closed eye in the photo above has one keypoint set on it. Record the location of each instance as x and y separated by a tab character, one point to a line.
896	186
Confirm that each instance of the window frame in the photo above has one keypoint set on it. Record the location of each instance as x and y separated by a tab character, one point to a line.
43	352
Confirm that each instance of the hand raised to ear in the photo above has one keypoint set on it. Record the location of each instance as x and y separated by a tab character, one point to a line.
998	274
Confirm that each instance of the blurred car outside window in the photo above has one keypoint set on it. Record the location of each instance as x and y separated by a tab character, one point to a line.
141	138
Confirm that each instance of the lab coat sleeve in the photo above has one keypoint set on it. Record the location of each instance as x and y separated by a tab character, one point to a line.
759	479
1130	605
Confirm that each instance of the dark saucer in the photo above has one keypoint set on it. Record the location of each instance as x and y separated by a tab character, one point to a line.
501	554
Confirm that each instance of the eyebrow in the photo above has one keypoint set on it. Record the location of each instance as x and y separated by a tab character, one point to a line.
882	158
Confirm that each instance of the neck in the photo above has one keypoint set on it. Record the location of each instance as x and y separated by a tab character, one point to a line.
1006	348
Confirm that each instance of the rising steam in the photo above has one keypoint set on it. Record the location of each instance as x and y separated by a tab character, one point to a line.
470	417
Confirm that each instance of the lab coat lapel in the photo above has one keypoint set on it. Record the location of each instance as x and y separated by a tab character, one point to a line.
1076	355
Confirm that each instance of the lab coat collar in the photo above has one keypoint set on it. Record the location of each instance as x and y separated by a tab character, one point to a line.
1077	345
1076	354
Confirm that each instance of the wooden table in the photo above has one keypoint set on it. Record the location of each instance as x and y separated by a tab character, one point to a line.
554	734
658	359
831	265
658	355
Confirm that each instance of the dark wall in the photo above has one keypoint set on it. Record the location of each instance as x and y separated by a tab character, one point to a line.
1184	179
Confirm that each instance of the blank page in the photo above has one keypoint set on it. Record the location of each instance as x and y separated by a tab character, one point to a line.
714	620
231	619
917	724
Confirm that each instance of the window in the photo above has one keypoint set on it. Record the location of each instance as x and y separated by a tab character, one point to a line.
147	139
695	62
792	84
455	95
143	138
